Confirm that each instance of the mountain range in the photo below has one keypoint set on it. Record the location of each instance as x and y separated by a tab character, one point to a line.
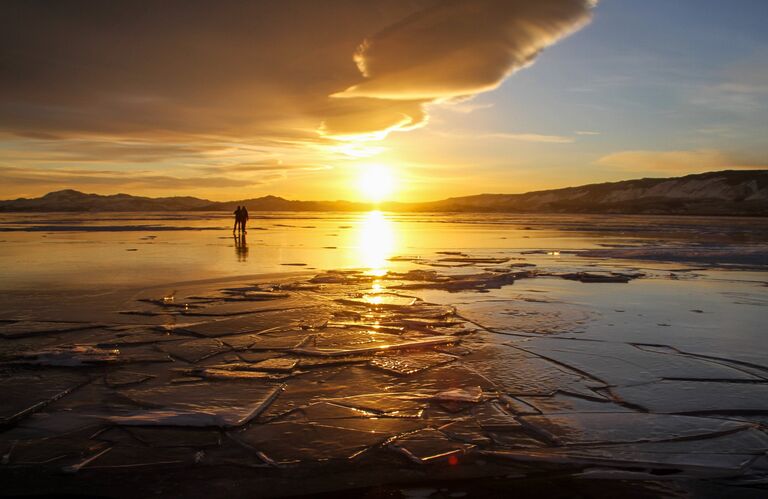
730	192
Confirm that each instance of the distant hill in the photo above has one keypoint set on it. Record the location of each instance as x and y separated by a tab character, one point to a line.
730	192
742	192
71	200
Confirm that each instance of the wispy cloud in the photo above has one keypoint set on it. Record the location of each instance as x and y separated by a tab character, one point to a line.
677	162
260	167
518	137
59	178
531	137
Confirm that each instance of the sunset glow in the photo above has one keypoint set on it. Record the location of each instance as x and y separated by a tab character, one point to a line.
376	183
465	98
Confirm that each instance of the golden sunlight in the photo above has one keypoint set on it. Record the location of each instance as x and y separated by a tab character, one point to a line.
376	242
376	183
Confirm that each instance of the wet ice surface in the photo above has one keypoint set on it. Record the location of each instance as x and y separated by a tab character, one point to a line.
423	366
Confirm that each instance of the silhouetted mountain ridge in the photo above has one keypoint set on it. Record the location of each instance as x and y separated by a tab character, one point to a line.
730	192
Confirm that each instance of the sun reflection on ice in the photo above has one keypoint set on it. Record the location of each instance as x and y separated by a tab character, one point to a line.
376	242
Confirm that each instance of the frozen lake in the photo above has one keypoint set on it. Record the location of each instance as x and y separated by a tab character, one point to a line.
394	350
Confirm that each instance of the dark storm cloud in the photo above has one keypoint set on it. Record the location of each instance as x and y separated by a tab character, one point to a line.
227	94
254	70
152	69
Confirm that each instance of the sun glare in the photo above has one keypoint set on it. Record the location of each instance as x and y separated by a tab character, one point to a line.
375	242
376	183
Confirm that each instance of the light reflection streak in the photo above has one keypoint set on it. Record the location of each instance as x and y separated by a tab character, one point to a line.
376	243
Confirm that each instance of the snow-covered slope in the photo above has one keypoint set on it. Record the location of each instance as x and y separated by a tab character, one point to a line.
726	192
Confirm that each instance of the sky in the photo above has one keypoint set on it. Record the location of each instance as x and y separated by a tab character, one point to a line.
408	100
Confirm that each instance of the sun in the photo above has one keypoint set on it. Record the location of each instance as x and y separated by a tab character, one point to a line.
376	183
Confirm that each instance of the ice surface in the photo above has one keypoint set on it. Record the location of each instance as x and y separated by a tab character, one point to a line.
563	403
594	277
469	394
213	373
349	374
675	396
405	363
280	364
519	317
384	403
198	404
74	356
284	340
429	445
376	346
584	428
490	416
466	430
253	323
27	392
117	379
520	373
289	442
23	329
621	363
725	455
194	350
380	300
175	437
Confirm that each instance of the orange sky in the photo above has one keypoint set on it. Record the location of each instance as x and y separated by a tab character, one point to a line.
311	100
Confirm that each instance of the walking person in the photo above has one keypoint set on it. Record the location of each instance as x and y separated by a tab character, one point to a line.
243	218
238	219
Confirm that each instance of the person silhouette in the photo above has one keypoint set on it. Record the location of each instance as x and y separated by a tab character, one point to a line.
238	218
243	218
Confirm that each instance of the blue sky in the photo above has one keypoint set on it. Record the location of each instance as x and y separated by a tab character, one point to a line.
652	76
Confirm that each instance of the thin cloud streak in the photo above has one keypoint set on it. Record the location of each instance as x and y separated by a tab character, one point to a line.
678	161
518	137
10	176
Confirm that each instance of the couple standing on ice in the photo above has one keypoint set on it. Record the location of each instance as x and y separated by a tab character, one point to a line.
241	218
